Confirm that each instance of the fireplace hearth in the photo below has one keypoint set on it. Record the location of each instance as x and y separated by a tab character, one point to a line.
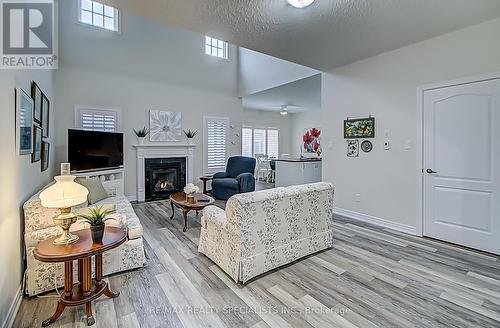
164	176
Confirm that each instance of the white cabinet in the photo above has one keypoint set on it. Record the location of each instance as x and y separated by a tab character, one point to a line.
297	171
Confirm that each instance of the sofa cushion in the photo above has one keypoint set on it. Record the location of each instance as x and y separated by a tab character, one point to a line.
95	188
123	206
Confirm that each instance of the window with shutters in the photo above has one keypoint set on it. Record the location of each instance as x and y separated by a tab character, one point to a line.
93	119
256	141
216	48
216	133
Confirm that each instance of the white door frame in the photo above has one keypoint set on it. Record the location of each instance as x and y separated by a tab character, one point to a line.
419	140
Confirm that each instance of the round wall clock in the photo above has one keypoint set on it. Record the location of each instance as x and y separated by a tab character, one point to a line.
367	146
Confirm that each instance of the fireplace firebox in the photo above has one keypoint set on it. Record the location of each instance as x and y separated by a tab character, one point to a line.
164	176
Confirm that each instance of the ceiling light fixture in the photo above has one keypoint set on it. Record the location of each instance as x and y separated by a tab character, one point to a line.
284	109
300	3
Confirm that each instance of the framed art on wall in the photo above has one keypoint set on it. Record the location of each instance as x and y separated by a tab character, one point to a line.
36	94
37	144
311	143
352	148
45	155
45	116
164	126
359	128
24	122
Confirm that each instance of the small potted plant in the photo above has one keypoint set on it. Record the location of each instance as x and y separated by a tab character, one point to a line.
141	134
190	135
190	189
97	218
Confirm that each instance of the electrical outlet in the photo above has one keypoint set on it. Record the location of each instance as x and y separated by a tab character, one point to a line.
357	198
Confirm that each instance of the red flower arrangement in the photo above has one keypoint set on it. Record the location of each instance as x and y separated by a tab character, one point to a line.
311	140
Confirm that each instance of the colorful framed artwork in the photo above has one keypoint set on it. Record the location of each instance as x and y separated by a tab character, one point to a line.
24	122
45	116
36	94
37	144
352	148
45	155
359	128
164	126
311	143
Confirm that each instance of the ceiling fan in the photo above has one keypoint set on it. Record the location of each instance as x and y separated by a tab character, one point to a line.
285	108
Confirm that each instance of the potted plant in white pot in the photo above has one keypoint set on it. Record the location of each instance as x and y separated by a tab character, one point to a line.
97	219
141	135
190	136
190	189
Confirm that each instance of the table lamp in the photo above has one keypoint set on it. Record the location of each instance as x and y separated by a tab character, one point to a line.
64	194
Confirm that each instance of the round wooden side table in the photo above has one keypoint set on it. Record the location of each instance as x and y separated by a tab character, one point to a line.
179	199
86	289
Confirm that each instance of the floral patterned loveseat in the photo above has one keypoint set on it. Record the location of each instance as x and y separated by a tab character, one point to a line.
41	277
260	231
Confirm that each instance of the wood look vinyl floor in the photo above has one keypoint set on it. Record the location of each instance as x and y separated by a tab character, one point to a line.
372	277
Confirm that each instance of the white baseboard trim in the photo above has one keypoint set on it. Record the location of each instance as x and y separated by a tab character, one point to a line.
132	198
376	221
14	307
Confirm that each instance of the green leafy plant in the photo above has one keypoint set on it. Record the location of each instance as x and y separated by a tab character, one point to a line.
142	132
190	134
97	215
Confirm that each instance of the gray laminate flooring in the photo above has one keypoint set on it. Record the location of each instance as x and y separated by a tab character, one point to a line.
372	277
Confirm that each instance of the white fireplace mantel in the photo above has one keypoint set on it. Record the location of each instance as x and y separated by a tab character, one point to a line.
162	151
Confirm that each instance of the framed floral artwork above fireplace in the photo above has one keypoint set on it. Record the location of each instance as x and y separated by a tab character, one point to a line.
165	126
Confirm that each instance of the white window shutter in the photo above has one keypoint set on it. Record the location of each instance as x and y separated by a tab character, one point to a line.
105	120
216	134
272	143
246	142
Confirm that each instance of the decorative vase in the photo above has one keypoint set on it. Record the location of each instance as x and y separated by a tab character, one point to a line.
141	140
190	198
97	232
190	141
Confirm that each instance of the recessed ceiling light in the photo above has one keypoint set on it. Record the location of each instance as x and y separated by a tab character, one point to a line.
300	3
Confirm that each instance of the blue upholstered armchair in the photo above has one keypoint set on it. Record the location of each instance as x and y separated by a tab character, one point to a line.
237	179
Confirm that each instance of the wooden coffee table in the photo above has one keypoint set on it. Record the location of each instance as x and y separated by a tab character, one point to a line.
179	199
86	289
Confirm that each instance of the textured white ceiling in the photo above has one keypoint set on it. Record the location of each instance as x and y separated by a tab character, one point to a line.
304	93
327	34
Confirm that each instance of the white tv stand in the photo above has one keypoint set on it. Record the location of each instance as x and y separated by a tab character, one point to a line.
113	180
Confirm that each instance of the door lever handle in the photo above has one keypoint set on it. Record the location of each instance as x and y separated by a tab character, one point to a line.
430	171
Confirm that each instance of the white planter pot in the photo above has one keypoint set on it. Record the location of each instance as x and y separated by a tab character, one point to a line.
190	141
140	140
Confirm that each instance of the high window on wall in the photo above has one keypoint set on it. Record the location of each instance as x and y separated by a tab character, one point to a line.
216	48
97	119
256	141
215	143
99	15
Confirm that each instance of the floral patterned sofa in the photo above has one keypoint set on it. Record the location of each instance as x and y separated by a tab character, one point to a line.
260	231
41	277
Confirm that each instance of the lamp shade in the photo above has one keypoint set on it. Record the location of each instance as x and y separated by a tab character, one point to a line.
64	193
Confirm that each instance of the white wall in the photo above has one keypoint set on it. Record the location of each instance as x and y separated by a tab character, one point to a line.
385	86
20	179
147	66
259	72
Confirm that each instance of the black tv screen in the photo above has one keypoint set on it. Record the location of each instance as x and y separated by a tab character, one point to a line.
93	150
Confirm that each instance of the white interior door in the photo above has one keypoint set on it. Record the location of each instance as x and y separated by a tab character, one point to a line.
462	165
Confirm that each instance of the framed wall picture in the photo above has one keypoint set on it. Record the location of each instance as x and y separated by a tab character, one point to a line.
36	94
359	128
37	144
311	143
45	116
24	122
164	126
352	148
45	155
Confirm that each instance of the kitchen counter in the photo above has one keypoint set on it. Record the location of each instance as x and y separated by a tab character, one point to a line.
296	171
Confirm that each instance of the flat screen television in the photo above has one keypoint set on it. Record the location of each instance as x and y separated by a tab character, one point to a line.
94	150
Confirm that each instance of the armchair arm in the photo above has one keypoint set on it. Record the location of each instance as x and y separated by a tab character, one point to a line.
221	175
214	215
246	182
